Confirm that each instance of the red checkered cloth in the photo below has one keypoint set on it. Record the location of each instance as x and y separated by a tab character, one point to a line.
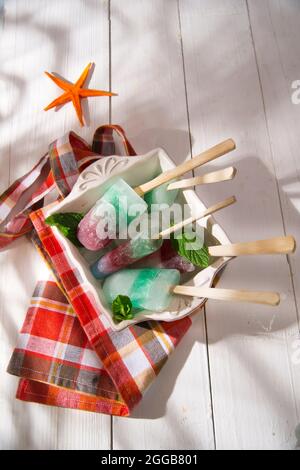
67	355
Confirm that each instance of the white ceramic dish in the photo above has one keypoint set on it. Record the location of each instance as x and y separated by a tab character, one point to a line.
91	184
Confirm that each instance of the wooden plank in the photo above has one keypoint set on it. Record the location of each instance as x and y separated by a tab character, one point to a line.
63	37
277	45
176	411
83	430
15	286
147	73
249	347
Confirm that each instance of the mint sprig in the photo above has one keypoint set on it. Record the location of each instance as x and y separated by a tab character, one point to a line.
198	257
67	224
122	308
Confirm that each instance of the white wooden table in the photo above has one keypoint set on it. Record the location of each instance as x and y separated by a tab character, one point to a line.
189	74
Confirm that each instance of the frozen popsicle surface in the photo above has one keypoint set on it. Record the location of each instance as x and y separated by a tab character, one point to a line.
148	289
124	255
118	203
122	197
161	195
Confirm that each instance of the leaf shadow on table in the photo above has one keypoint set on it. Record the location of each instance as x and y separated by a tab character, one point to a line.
56	35
19	85
21	254
254	186
244	320
258	206
174	141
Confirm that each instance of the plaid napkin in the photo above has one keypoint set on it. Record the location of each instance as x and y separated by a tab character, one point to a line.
67	355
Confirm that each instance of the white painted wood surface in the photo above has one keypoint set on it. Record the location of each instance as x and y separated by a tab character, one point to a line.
186	71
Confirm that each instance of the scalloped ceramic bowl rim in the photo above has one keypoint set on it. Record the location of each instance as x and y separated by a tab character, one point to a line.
96	178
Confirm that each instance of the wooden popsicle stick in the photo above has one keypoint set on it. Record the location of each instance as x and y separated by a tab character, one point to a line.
204	157
232	295
277	245
213	177
190	220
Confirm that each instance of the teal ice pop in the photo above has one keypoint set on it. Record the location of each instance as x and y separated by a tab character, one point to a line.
148	289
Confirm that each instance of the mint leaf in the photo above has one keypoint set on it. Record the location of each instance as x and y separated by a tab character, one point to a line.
197	257
67	224
122	308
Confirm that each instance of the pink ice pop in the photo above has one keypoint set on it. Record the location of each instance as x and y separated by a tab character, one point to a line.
87	233
116	202
124	255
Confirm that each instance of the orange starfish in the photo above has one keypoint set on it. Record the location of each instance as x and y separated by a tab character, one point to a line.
75	92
